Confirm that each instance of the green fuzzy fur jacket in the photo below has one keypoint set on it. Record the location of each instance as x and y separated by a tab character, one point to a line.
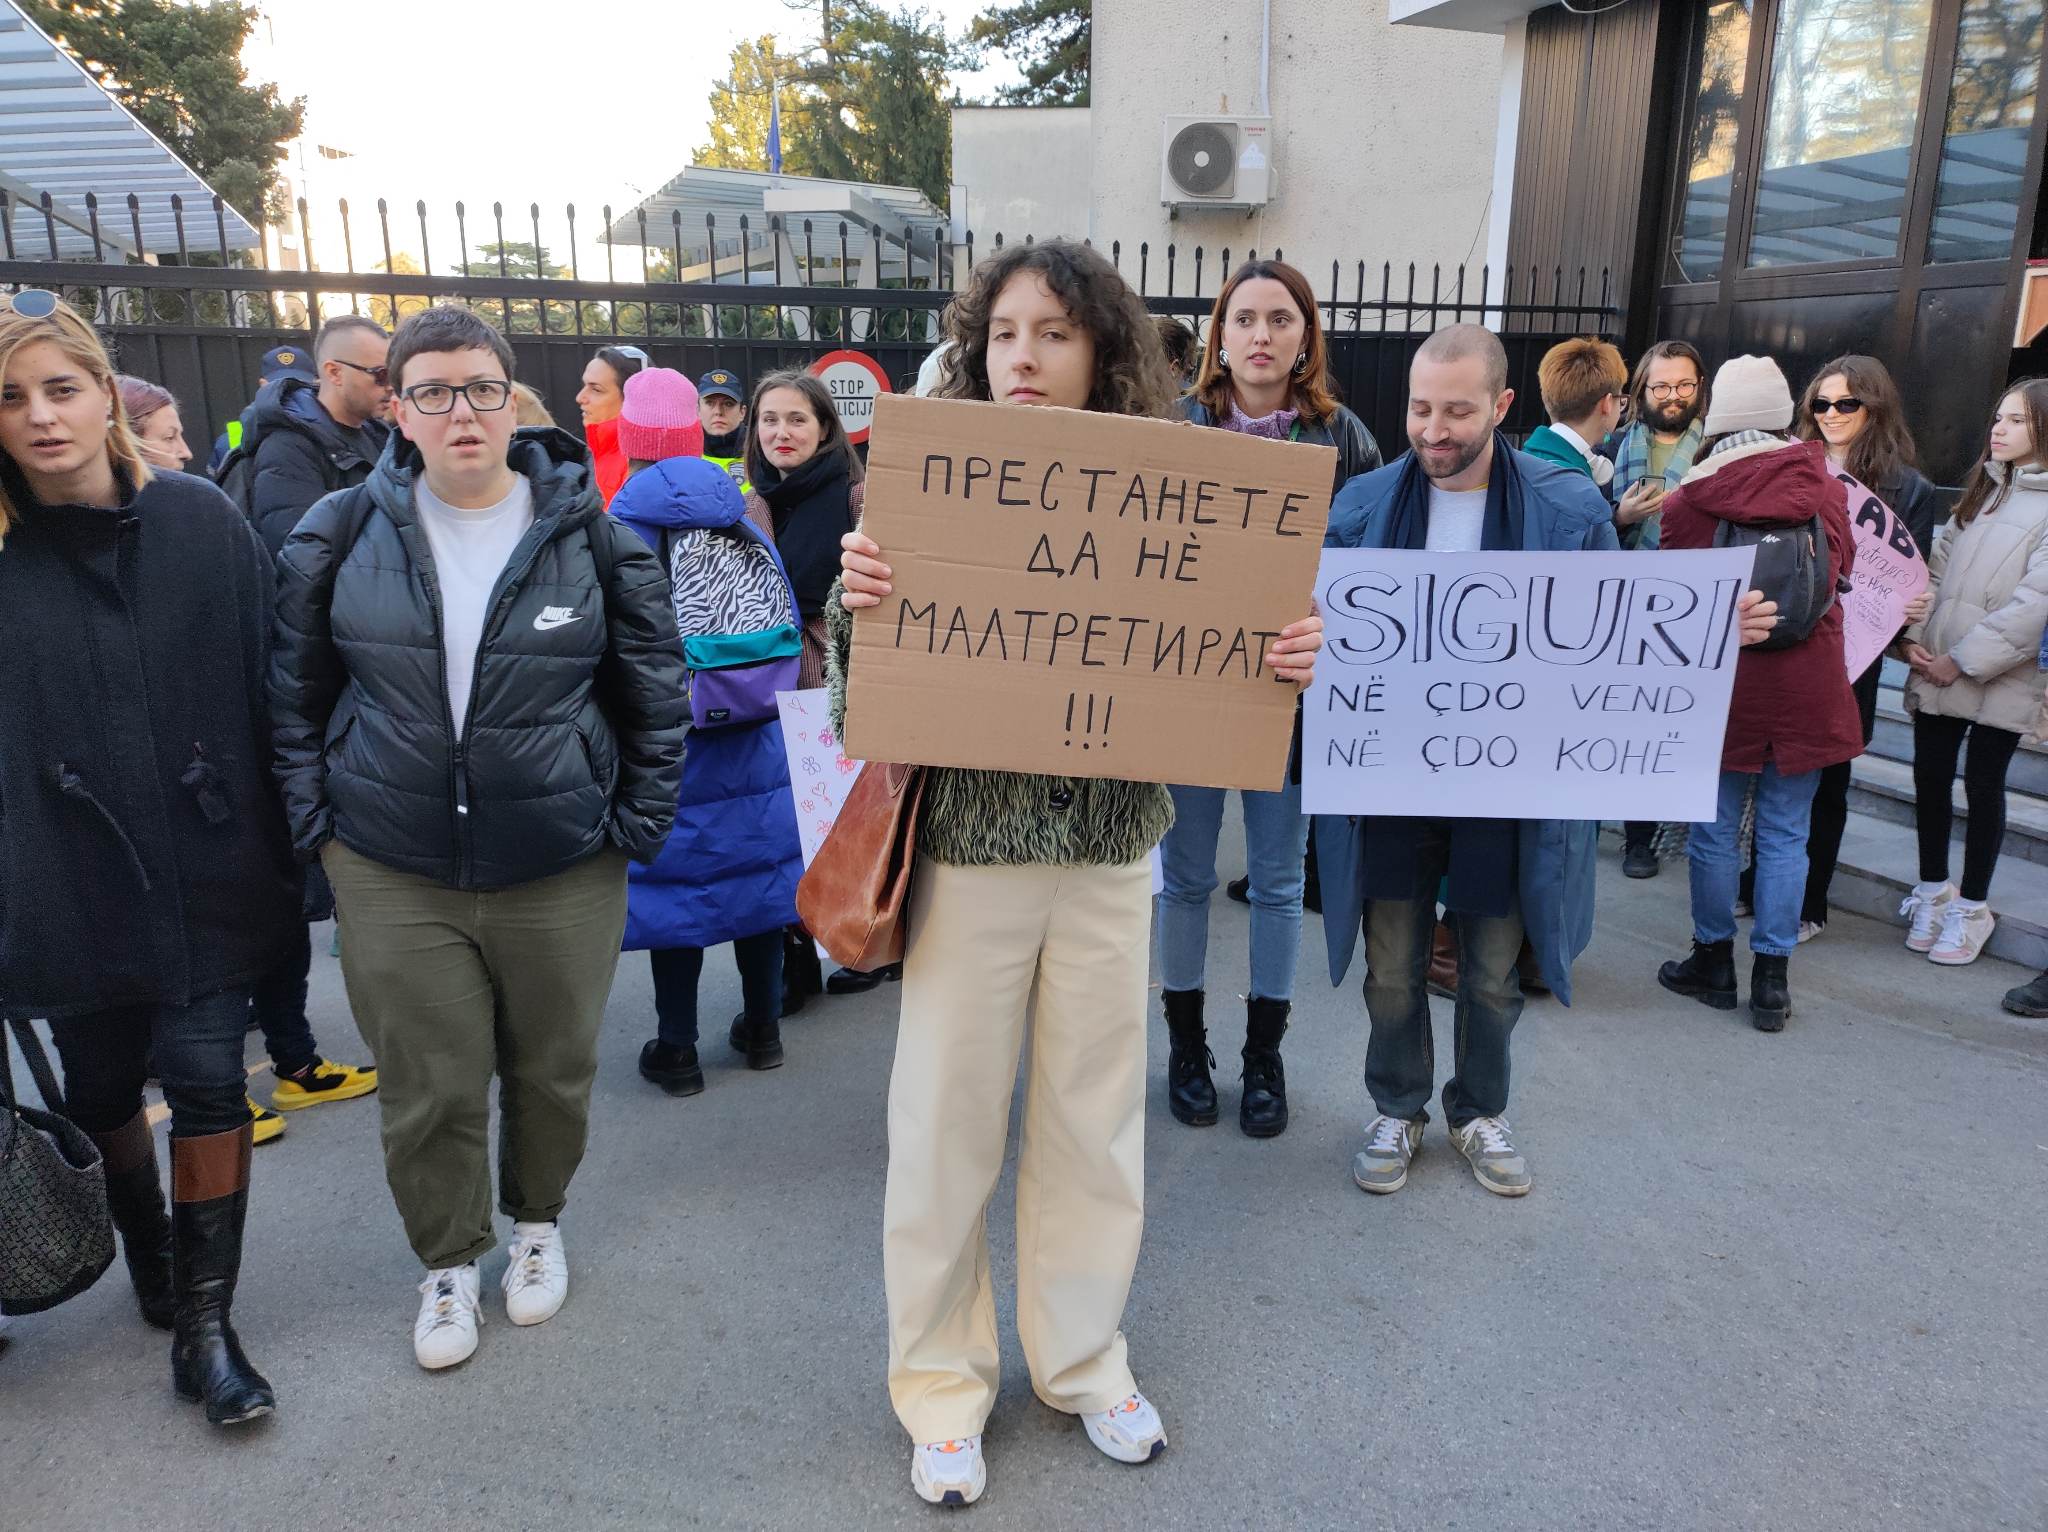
1008	819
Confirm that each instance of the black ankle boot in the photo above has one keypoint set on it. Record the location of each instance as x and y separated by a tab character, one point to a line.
1262	1113
135	1197
210	1200
760	1042
1190	1093
672	1066
1708	975
1770	992
802	974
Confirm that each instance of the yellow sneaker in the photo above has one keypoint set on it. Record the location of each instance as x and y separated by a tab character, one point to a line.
267	1123
325	1081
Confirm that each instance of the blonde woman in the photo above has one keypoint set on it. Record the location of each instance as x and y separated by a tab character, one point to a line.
134	763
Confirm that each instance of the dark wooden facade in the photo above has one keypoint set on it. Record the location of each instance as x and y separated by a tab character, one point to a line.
1608	105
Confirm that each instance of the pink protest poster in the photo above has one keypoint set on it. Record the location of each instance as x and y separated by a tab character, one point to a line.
820	773
1888	573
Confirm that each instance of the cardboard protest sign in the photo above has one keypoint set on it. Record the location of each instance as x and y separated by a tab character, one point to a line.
1522	685
1082	594
1888	573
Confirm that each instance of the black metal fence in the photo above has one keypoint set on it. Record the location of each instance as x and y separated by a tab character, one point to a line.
779	294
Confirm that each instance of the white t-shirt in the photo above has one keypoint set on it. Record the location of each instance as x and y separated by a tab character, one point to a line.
1457	518
470	549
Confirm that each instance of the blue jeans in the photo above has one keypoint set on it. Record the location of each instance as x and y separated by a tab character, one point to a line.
1275	841
1784	809
197	1050
1400	1058
677	969
279	1001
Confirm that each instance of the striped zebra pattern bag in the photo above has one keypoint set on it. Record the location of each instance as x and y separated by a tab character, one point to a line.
740	638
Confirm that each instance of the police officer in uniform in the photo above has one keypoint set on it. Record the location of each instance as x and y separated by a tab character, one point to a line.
722	409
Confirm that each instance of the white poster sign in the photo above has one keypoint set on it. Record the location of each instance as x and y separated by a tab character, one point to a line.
820	772
1522	685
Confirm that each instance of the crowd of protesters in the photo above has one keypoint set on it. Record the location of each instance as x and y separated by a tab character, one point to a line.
502	701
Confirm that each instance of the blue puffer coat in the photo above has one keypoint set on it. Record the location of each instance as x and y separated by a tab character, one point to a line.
730	866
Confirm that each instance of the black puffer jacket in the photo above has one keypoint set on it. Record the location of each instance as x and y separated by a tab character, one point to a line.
575	731
1357	452
297	453
143	855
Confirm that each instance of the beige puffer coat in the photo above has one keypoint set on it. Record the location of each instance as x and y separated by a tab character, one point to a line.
1990	584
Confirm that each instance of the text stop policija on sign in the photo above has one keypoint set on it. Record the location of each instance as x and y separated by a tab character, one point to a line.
1080	594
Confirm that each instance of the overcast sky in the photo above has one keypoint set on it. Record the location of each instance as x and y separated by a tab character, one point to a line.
521	101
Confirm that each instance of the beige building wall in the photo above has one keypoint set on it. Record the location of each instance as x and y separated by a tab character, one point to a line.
1383	136
1020	170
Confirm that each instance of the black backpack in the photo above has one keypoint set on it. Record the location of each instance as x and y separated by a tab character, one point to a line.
237	473
1792	570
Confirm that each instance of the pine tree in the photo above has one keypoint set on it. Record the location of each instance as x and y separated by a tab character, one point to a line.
178	68
1048	41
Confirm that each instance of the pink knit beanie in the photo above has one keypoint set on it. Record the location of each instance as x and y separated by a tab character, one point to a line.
659	417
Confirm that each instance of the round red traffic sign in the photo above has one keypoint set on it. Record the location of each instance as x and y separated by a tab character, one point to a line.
854	380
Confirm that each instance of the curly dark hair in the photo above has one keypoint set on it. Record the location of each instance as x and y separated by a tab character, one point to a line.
1131	372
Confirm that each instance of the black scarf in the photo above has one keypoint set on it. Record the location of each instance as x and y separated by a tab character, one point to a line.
809	505
727	444
1482	874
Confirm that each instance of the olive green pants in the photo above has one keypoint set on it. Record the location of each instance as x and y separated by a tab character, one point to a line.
450	988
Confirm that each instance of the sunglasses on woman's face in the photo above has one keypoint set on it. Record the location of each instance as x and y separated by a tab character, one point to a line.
32	303
1843	407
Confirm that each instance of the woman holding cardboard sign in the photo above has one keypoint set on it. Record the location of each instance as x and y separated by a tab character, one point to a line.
1264	372
1031	892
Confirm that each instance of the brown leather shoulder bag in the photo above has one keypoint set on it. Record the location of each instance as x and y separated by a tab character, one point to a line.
855	897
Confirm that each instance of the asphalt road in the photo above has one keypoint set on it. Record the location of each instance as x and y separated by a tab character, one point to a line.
1762	1282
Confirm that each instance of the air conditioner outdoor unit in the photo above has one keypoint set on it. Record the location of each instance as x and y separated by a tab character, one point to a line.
1217	162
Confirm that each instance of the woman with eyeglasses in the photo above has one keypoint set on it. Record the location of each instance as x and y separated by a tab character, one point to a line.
146	881
1977	687
480	703
600	399
1853	405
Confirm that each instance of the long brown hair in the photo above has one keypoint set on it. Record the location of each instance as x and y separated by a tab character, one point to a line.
832	437
1310	390
1884	447
66	329
1981	490
1131	373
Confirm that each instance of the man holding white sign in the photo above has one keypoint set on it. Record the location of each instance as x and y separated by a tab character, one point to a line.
1423	644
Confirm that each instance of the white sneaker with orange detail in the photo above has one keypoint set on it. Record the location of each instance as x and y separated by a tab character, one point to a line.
1130	1433
950	1472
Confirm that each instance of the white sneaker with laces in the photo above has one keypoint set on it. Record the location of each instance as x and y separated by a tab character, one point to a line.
1130	1433
1809	929
445	1332
537	1276
1964	931
948	1473
1488	1143
1923	913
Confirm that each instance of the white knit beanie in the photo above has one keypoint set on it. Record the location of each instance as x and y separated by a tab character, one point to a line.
1750	394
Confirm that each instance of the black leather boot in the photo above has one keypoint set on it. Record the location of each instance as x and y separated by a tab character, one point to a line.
209	1201
1708	976
672	1066
802	974
759	1042
1770	992
1262	1113
135	1196
1190	1093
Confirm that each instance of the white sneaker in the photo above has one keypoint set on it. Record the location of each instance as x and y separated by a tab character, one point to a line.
1130	1433
537	1277
445	1332
1809	929
1923	913
1964	931
948	1473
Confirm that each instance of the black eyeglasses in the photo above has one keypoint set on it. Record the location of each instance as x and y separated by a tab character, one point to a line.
33	303
1839	406
381	376
485	395
1663	391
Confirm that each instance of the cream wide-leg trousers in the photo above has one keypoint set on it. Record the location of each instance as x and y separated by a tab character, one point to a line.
987	946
